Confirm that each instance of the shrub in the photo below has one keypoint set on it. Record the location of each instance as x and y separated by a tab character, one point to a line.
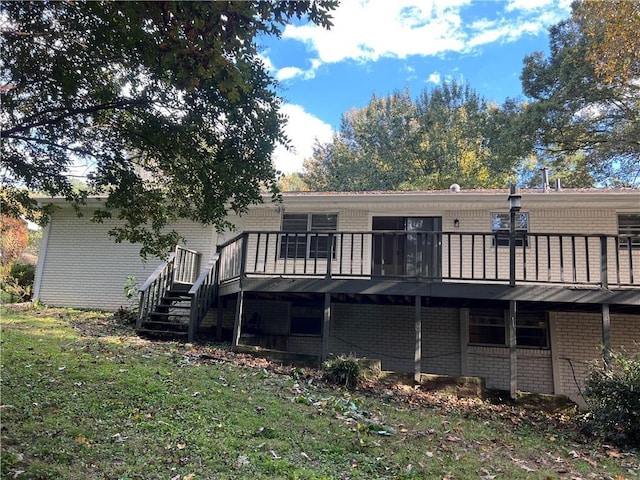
19	282
344	370
129	314
614	398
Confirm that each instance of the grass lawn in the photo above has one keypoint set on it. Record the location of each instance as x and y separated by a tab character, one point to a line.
84	398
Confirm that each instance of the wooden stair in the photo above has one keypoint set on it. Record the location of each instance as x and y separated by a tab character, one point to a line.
170	318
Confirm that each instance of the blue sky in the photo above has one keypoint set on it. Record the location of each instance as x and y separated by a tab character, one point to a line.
378	46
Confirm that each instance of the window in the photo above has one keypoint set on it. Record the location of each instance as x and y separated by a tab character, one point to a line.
500	224
532	330
629	230
307	244
306	319
489	327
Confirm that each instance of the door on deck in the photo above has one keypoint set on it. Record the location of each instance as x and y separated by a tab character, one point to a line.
406	246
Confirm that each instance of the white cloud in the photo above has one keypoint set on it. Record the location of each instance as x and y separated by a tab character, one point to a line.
435	77
303	129
288	72
370	29
527	4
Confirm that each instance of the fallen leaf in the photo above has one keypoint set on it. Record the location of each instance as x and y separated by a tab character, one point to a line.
242	461
189	476
614	453
181	445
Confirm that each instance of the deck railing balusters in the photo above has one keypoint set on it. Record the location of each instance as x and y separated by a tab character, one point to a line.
420	255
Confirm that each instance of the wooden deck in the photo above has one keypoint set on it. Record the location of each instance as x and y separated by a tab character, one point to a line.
550	268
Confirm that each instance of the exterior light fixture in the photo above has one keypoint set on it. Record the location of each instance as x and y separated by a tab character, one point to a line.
515	200
456	223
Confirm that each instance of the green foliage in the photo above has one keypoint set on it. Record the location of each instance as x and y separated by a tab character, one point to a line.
614	398
130	313
344	370
167	103
292	182
582	123
82	398
447	135
18	285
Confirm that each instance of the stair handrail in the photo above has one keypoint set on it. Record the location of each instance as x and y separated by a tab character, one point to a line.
203	294
187	264
153	289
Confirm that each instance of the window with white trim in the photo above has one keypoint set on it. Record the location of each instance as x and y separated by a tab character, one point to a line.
488	327
629	230
500	227
298	239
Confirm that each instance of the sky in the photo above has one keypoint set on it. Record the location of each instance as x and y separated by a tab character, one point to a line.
381	46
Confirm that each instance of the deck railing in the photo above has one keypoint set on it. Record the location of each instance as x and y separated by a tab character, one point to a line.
544	258
203	294
152	291
187	265
182	266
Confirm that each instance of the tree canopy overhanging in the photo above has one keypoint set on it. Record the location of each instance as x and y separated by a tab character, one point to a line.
449	134
581	120
167	103
585	108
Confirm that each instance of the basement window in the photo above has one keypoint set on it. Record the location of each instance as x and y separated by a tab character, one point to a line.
306	319
298	239
629	230
500	225
488	327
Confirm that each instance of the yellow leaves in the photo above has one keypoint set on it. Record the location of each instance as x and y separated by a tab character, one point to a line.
188	476
613	453
613	31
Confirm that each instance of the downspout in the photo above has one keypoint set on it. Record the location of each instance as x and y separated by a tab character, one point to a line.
42	255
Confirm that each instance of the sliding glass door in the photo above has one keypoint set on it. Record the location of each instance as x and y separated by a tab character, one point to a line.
406	246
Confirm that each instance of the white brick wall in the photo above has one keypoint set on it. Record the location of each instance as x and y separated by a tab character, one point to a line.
579	343
440	341
83	267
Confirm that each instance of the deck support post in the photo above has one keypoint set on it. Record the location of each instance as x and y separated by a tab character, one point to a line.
417	359
464	342
326	326
237	327
220	318
513	351
606	337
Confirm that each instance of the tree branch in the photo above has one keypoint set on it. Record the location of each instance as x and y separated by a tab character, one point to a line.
122	104
53	144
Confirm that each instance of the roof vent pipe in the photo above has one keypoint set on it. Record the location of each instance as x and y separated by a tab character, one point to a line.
545	179
558	187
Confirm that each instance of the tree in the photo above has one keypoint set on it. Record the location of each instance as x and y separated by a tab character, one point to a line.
167	101
292	182
578	116
374	149
611	29
13	242
448	135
